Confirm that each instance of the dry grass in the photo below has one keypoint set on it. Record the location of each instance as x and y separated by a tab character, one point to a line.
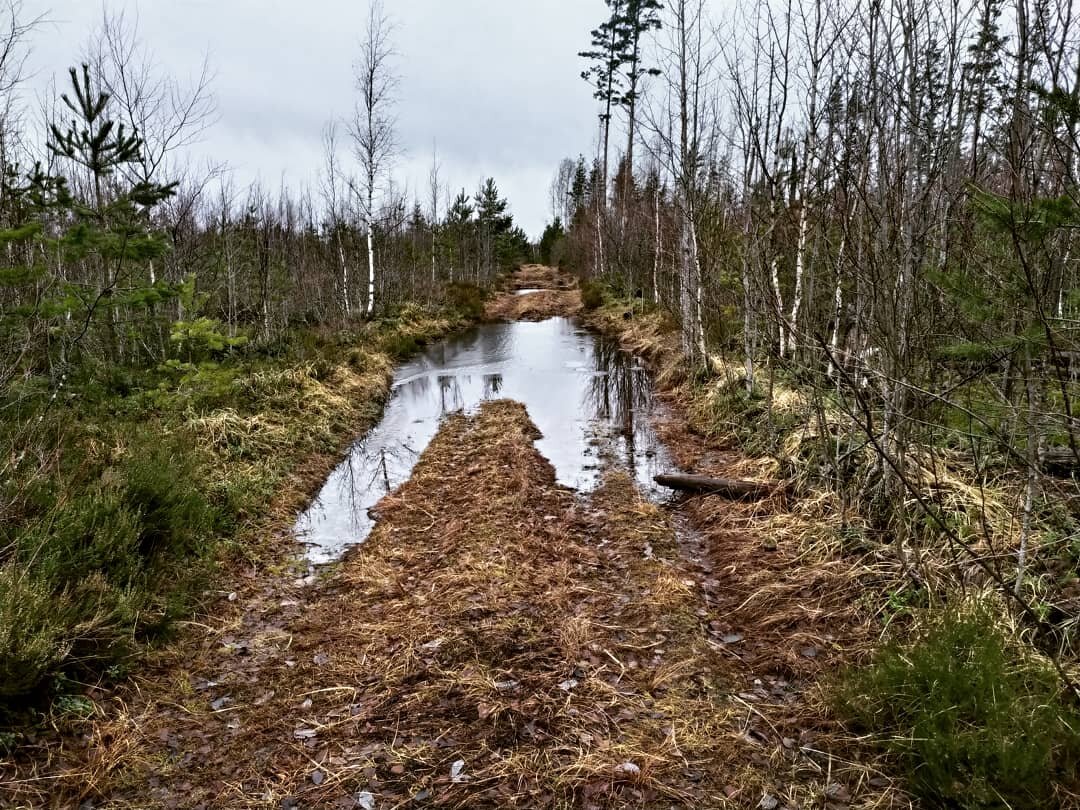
502	642
552	645
305	419
555	295
538	276
775	578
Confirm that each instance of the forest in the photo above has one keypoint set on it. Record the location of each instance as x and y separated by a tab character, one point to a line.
818	251
861	218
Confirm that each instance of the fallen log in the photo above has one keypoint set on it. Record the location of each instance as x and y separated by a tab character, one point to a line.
724	487
1060	461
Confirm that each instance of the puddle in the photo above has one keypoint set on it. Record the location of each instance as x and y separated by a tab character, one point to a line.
531	290
590	400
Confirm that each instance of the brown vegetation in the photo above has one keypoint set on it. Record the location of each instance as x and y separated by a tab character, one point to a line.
557	653
551	294
789	602
500	641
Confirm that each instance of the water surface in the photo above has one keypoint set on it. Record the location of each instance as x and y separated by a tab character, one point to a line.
590	400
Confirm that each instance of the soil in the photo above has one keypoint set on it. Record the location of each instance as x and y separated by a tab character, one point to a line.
502	641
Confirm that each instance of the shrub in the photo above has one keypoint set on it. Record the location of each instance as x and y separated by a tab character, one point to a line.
159	483
94	577
32	629
399	345
465	299
592	295
977	720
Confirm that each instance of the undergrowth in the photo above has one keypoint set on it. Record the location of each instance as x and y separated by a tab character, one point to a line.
85	582
592	295
967	707
976	718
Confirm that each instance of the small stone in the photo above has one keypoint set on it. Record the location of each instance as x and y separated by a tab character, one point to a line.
456	769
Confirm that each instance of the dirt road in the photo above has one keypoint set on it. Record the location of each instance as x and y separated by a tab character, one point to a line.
502	641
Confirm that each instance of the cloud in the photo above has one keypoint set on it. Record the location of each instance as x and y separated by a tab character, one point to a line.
494	82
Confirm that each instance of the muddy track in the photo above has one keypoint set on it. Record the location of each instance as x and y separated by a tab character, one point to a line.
502	641
534	293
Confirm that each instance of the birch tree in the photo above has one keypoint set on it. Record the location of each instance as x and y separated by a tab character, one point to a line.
374	125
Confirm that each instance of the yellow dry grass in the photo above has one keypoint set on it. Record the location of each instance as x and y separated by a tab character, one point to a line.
500	641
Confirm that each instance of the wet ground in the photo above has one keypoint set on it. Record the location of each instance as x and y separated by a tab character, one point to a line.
591	401
524	627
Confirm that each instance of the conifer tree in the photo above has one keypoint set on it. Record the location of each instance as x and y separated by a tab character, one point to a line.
111	232
607	57
639	17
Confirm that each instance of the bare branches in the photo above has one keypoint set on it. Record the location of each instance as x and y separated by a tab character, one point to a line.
373	128
169	115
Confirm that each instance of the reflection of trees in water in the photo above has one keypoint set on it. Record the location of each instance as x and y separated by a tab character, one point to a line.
493	384
450	397
617	391
373	469
413	391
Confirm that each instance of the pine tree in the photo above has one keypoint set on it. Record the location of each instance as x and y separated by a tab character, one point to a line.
579	190
640	17
983	72
607	56
494	223
111	232
459	224
553	234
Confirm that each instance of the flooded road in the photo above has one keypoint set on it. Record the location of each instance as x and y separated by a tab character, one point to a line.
590	400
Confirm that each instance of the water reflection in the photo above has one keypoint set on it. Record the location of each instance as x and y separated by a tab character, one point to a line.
589	399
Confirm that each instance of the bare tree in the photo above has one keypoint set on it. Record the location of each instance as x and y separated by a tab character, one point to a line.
434	190
169	115
333	194
374	123
559	192
13	56
684	136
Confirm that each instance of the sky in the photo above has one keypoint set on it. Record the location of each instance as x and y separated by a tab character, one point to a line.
494	84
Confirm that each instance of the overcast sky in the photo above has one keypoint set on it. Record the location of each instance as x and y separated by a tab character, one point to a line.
494	82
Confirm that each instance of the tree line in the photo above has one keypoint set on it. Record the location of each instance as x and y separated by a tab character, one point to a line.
121	248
